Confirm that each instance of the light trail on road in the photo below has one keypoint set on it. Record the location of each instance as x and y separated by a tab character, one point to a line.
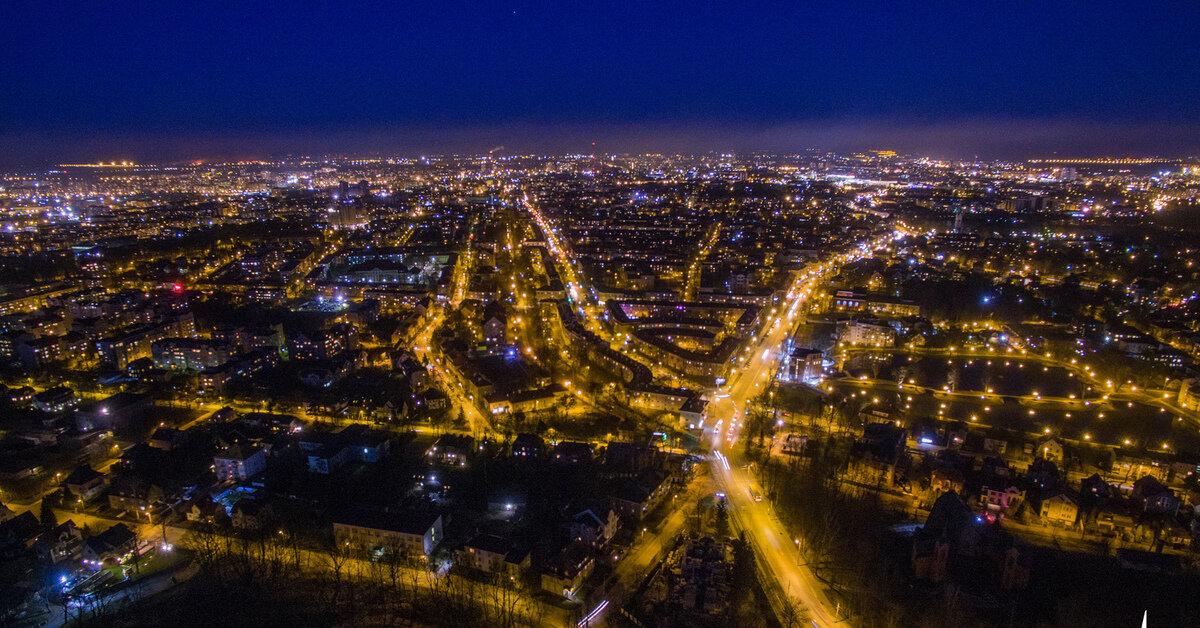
752	517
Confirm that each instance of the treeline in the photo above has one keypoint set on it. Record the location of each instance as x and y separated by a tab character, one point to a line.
274	580
845	539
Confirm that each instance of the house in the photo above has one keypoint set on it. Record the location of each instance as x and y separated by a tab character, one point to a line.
165	438
944	479
133	495
495	330
85	482
566	571
451	449
693	411
1095	486
995	468
1042	473
365	444
407	533
629	457
327	452
1061	508
589	528
324	451
1049	449
1153	497
1130	466
202	509
794	444
19	467
433	399
528	446
414	372
251	514
64	542
238	463
22	395
114	545
999	500
884	441
1094	494
17	532
494	554
570	452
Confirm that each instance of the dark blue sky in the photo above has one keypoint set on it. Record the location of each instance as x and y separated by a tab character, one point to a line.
215	79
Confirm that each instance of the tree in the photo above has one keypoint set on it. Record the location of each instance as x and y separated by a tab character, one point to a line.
49	522
722	521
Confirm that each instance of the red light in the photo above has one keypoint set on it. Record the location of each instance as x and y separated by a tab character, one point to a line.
177	288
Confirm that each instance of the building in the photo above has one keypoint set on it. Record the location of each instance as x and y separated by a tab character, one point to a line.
245	365
134	496
251	513
1189	394
866	333
1062	508
410	534
190	354
327	452
1153	497
1050	449
567	571
54	400
1000	501
64	542
451	449
495	330
323	345
528	445
115	545
571	452
594	530
238	463
116	411
494	554
804	365
85	483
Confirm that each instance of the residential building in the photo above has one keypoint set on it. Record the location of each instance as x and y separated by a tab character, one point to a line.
408	533
238	463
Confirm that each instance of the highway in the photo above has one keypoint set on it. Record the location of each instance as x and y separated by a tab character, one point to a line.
775	550
777	554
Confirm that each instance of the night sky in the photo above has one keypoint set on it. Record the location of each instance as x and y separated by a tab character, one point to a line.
89	80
